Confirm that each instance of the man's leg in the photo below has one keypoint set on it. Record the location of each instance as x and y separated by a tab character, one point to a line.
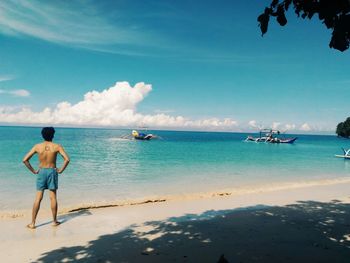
36	207
54	206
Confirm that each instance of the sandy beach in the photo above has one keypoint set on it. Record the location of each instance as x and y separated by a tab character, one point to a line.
305	224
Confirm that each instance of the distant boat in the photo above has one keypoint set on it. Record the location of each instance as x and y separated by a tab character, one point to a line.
270	136
141	136
346	154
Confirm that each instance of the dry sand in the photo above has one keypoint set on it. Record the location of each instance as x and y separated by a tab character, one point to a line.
307	224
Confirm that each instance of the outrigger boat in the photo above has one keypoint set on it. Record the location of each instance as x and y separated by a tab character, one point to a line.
346	154
141	136
270	136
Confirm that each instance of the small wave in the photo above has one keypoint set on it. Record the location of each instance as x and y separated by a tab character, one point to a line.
119	139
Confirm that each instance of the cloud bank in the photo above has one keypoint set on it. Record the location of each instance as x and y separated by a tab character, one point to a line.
305	127
115	106
253	125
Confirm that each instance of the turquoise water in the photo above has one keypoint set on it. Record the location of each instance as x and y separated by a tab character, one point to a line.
106	168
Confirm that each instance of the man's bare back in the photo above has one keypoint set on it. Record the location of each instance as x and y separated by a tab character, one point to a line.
47	153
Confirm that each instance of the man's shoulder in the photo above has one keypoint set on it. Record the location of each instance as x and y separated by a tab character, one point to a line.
38	145
56	145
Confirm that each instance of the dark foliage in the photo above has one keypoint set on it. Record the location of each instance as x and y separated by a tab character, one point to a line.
343	128
334	14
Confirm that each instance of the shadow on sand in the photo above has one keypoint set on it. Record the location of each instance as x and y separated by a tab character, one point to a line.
304	232
65	218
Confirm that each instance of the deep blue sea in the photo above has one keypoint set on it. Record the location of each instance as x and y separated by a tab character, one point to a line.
107	168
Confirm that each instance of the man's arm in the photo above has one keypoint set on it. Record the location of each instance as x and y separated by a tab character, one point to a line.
65	158
27	158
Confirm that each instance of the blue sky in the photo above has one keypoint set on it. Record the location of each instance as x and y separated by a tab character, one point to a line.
207	63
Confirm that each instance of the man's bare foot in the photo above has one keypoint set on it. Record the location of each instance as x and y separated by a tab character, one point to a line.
31	226
56	223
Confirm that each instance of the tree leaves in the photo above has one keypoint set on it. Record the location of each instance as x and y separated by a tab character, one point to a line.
334	14
264	20
340	37
281	18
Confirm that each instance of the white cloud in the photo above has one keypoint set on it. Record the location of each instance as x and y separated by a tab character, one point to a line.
275	125
305	127
116	106
16	93
20	93
289	126
253	124
6	78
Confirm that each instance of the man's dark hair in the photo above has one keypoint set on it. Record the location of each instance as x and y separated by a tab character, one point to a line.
48	133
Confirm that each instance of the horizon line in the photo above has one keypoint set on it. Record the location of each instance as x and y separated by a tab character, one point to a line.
319	133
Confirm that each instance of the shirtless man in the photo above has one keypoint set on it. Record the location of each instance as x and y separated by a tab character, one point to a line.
47	174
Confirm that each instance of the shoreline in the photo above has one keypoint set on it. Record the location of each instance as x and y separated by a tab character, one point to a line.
220	193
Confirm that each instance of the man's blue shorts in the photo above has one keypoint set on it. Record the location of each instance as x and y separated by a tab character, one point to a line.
47	178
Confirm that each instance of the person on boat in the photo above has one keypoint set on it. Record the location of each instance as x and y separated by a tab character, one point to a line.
47	174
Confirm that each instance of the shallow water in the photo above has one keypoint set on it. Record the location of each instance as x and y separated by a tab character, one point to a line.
105	167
